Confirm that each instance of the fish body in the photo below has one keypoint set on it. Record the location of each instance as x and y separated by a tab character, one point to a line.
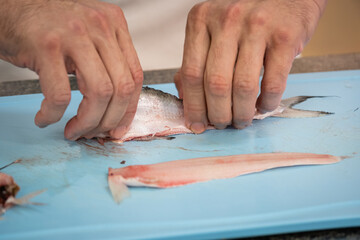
183	172
161	114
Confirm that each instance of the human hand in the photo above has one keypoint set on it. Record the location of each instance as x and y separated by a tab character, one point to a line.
227	42
86	37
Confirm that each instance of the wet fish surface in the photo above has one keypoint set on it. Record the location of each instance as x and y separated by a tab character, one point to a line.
161	114
188	171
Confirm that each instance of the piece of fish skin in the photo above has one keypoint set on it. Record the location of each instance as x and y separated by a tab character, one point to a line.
187	171
161	114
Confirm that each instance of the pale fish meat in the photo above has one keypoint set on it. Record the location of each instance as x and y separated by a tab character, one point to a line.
183	172
8	192
161	114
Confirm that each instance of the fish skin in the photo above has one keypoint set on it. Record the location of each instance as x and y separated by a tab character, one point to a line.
161	114
188	171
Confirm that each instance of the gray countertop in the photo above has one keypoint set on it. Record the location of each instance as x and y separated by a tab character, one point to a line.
301	65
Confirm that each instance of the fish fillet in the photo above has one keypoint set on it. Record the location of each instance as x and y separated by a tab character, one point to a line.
182	172
161	114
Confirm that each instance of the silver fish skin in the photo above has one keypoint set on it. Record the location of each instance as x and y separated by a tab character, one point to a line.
161	114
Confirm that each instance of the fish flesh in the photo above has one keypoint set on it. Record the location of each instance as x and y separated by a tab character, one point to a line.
161	114
8	192
183	172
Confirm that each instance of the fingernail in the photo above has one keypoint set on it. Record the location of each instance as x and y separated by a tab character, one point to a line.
241	125
197	127
41	125
262	110
71	138
220	126
38	123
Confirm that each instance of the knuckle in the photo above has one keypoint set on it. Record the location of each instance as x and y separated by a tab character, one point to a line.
119	16
99	20
197	16
218	85
198	11
104	91
192	75
245	86
283	36
256	21
138	76
51	42
231	15
126	89
273	88
118	13
60	99
77	27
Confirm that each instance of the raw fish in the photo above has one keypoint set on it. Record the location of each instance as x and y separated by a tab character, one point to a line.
8	191
161	114
182	172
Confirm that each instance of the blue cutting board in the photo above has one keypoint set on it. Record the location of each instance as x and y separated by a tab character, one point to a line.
78	204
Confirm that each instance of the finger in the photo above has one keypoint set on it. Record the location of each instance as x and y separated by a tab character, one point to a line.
246	81
129	52
96	86
218	78
55	87
123	86
178	84
277	66
196	46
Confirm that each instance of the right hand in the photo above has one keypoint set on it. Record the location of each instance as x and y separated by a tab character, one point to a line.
226	44
86	37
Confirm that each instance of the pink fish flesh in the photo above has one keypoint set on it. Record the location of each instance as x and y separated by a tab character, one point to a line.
161	114
183	172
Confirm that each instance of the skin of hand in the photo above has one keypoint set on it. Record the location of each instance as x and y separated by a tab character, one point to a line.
86	37
227	43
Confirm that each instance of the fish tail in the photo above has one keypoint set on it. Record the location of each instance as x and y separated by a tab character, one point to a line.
290	112
25	199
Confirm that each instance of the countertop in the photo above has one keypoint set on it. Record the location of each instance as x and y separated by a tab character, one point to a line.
301	65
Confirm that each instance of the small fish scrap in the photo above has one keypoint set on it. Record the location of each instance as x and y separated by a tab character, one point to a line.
161	114
8	191
188	171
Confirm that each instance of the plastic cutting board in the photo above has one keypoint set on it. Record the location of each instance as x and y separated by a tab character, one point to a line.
78	204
